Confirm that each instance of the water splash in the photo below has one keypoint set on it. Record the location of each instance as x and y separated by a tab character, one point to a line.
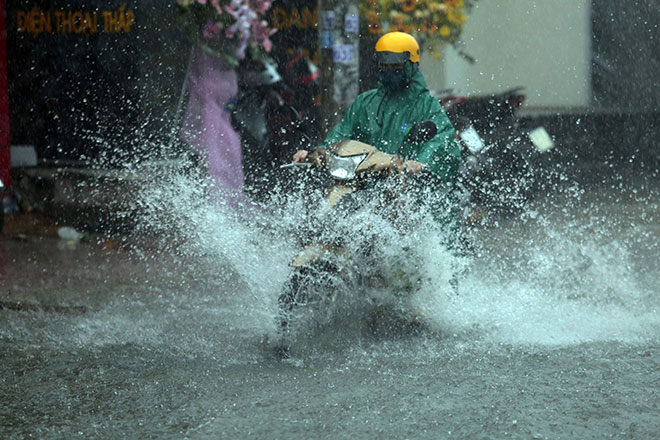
565	276
555	277
571	270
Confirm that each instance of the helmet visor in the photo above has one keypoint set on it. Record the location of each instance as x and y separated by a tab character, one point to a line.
387	57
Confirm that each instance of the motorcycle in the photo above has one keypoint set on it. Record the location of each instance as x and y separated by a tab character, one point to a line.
502	161
337	250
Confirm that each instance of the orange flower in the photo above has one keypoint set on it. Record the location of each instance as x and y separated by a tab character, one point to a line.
374	23
399	28
374	28
408	5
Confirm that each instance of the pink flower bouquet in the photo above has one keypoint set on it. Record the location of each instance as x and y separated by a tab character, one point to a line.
227	28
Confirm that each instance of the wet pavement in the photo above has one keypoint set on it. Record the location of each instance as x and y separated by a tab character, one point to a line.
555	334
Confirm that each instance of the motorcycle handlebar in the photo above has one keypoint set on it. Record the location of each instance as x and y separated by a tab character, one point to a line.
401	169
296	165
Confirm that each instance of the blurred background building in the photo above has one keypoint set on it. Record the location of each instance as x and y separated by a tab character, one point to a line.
97	79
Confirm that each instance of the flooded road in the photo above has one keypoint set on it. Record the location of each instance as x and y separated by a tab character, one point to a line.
554	333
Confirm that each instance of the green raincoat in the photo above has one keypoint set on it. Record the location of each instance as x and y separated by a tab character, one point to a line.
382	118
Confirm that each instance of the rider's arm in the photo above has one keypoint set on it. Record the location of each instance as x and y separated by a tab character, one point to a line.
442	153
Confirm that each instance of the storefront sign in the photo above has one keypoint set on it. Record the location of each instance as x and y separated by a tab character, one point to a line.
72	74
37	22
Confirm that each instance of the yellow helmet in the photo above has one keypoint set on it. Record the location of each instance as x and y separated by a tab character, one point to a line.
397	47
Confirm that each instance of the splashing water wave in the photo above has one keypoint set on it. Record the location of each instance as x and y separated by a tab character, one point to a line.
554	277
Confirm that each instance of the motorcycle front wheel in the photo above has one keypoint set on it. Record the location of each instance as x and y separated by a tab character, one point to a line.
306	296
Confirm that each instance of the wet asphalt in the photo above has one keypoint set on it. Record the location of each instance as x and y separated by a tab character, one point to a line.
555	335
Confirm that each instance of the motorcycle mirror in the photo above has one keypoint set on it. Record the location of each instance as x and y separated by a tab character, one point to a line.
422	132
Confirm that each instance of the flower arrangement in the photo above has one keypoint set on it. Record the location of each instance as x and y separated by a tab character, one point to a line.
434	22
227	28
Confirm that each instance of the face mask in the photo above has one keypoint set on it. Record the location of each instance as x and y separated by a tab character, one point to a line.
393	79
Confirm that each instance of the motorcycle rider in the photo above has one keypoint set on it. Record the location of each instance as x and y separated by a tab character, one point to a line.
382	117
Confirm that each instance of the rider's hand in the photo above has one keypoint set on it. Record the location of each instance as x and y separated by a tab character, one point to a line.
300	156
413	167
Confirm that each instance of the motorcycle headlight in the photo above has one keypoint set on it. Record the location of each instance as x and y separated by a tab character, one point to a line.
344	168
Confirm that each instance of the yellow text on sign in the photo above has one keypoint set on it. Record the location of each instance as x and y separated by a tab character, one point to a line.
304	19
37	21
